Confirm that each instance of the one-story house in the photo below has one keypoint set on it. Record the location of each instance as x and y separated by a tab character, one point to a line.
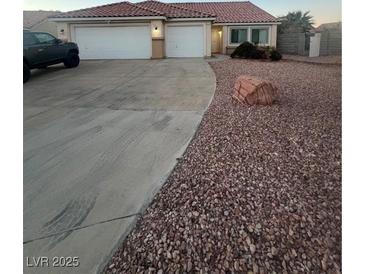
153	29
37	20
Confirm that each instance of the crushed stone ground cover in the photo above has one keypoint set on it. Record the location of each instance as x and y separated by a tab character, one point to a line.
258	189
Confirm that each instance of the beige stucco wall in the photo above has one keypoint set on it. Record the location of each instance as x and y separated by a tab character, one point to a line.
158	48
63	31
208	43
159	32
274	35
229	50
46	26
224	39
158	39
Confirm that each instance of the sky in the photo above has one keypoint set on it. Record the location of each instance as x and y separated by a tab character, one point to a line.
323	11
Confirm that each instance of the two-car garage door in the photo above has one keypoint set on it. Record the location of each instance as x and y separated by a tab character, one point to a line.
135	42
130	42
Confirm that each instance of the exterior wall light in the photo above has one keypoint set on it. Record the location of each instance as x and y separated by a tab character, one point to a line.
156	31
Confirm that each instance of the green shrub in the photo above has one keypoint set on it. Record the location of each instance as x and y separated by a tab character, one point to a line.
275	55
248	50
244	50
258	54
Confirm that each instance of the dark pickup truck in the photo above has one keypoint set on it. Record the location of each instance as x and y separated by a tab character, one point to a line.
41	49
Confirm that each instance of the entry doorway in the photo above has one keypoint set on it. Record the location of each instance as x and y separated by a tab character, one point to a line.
216	40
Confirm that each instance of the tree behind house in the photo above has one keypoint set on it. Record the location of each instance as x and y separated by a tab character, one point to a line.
296	21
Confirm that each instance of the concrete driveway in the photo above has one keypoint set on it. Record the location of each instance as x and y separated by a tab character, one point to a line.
99	141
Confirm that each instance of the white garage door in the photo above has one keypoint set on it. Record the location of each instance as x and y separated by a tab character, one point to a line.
185	41
114	42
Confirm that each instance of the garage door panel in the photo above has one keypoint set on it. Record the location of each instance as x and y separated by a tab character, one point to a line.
114	42
185	41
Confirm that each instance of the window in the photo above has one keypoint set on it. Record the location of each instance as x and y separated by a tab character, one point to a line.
238	36
29	39
45	38
260	36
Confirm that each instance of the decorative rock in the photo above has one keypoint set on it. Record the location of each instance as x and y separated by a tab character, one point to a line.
254	91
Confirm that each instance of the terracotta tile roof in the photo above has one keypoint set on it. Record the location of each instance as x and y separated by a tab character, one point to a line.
34	17
224	12
122	9
174	11
232	12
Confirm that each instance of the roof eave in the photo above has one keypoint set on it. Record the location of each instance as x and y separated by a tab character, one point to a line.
246	23
111	18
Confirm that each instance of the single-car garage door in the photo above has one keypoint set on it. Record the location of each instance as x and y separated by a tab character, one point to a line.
185	41
133	42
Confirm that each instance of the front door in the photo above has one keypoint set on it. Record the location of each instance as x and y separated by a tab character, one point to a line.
216	40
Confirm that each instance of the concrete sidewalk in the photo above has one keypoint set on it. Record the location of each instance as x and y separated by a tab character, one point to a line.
99	141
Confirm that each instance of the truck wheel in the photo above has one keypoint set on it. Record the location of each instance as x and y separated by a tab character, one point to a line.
72	60
26	73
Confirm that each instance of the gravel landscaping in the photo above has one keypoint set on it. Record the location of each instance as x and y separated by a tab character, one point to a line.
258	189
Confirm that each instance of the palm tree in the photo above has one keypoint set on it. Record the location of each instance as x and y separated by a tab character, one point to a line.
296	20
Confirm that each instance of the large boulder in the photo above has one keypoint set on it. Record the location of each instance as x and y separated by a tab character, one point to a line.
254	91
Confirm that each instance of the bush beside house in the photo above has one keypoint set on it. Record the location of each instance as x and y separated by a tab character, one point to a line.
248	50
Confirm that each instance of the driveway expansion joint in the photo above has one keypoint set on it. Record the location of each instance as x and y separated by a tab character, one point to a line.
82	227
